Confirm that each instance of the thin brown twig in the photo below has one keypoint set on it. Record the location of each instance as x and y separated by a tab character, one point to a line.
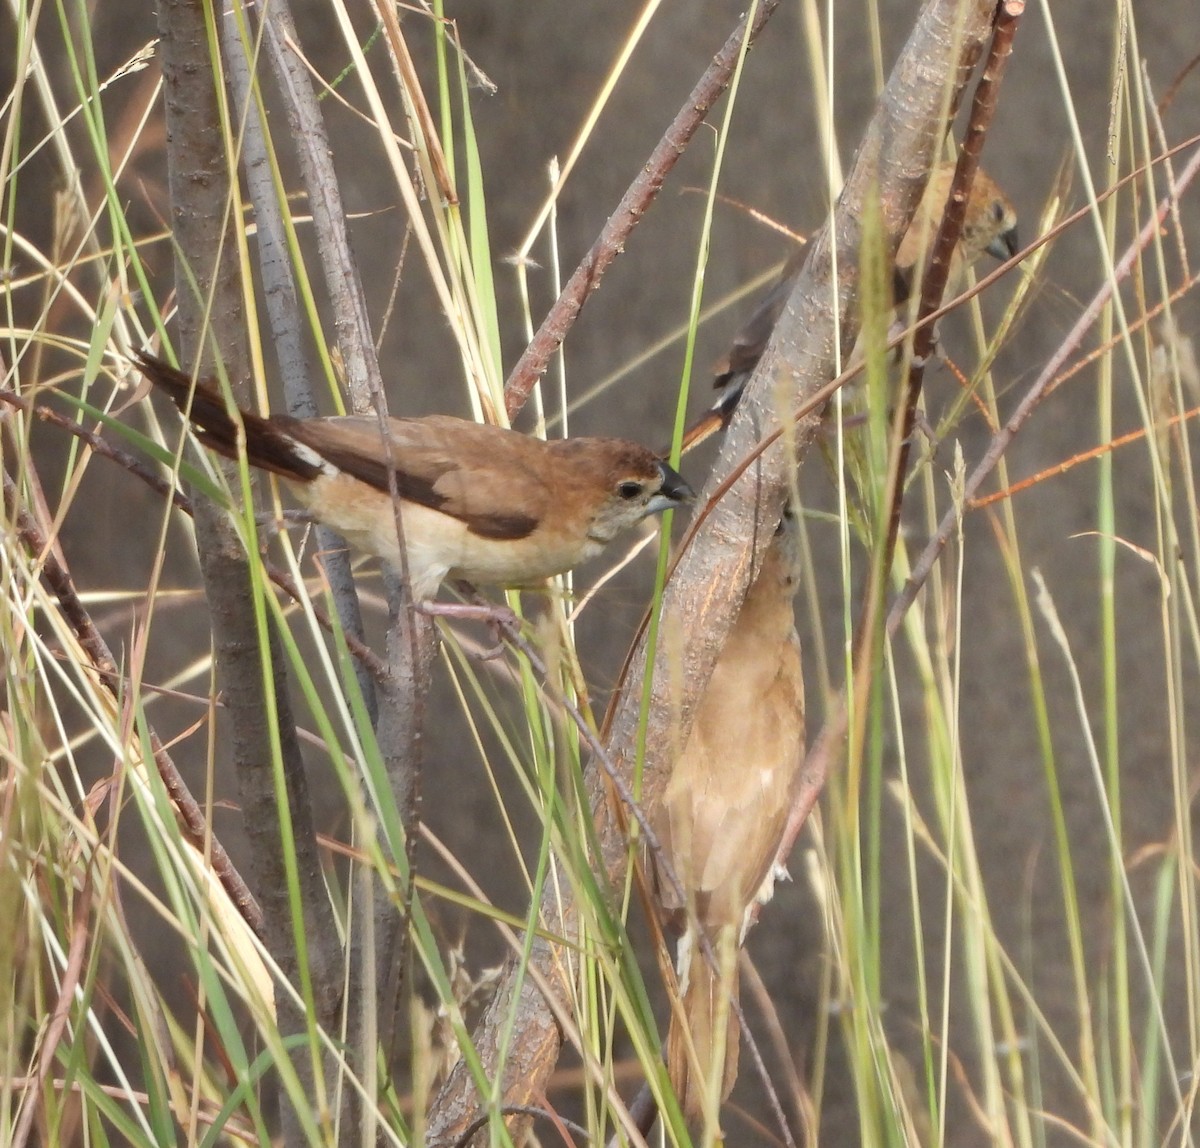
100	446
1104	348
969	390
1061	468
357	648
636	200
1168	97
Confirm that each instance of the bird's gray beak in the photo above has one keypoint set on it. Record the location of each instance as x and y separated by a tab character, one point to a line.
1005	245
673	493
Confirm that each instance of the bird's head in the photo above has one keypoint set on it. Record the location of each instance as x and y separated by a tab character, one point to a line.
628	483
789	552
990	223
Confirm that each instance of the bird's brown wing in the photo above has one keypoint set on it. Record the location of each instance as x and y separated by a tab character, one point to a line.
440	462
751	339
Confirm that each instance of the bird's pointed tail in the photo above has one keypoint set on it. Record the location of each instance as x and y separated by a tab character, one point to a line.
694	1039
268	443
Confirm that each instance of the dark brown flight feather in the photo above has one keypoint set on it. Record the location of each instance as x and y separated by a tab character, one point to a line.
268	445
428	477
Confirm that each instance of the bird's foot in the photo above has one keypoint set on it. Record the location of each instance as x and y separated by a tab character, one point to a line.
269	524
499	619
921	424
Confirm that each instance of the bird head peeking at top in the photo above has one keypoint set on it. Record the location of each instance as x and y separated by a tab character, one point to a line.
475	502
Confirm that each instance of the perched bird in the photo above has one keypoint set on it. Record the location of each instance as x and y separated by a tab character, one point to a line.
990	225
476	502
723	811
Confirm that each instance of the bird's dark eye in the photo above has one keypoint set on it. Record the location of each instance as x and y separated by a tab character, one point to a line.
630	490
998	211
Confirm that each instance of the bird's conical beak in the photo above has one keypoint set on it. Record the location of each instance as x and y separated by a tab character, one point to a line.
1005	245
673	493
